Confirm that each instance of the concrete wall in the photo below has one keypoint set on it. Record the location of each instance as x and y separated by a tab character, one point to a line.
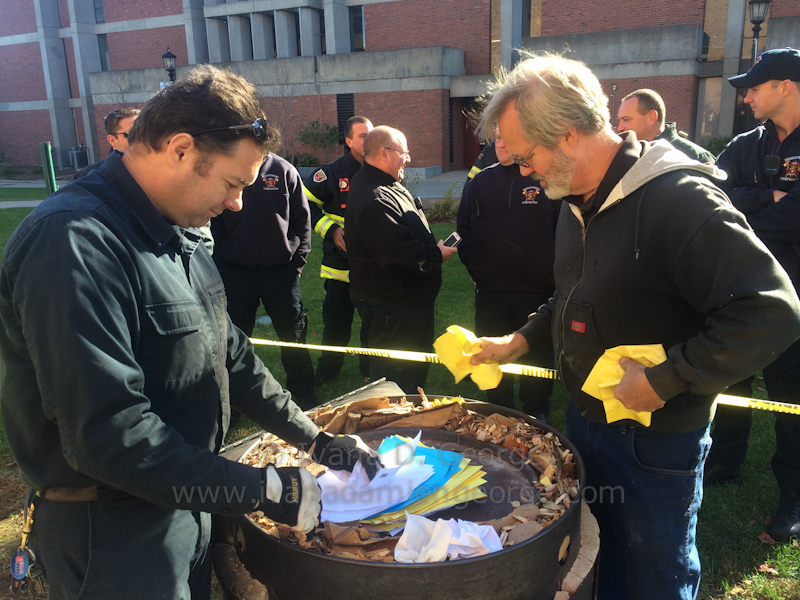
642	52
783	32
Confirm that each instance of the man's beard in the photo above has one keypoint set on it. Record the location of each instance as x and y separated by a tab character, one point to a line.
562	168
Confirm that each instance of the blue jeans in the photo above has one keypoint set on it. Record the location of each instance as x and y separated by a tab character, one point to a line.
644	488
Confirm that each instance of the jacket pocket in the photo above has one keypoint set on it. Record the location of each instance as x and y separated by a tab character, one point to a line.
175	317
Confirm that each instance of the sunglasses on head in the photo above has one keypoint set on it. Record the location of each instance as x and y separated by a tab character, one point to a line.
259	127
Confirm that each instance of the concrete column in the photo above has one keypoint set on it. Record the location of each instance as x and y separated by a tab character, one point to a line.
87	60
510	32
219	47
262	32
196	36
337	27
286	33
310	34
734	38
56	77
241	42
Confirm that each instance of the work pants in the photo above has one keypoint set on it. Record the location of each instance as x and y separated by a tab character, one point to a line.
732	424
644	488
398	327
337	316
125	549
278	288
497	317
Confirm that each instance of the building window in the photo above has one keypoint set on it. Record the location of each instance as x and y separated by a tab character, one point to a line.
105	62
99	17
357	41
345	108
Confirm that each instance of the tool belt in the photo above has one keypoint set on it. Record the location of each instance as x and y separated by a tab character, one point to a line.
88	494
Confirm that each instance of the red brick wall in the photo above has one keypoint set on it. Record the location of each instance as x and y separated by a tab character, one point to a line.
301	110
126	10
71	69
64	8
585	16
679	94
421	115
17	16
20	134
21	73
784	8
415	23
142	49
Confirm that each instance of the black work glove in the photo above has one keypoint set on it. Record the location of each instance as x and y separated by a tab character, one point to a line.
342	452
292	497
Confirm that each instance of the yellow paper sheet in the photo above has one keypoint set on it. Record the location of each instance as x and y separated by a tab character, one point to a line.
455	347
607	373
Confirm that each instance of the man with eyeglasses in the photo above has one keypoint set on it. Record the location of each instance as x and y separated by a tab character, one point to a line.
120	364
649	251
395	262
117	124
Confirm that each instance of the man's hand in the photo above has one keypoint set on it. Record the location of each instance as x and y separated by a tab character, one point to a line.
777	195
635	391
337	237
292	497
447	251
501	350
342	452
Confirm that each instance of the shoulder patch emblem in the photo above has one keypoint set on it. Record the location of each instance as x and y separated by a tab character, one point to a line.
320	176
344	184
529	195
271	182
791	168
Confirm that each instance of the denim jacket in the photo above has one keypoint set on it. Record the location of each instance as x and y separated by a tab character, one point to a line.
119	362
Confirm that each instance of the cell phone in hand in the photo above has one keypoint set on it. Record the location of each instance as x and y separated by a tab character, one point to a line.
452	240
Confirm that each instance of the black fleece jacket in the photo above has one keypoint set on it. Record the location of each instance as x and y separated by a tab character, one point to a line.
393	255
666	260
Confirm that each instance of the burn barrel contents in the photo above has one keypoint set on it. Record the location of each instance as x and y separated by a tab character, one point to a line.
531	479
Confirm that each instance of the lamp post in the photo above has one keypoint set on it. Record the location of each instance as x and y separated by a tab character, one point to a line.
169	63
758	14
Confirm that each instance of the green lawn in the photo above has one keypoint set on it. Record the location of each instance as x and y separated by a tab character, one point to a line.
9	194
731	519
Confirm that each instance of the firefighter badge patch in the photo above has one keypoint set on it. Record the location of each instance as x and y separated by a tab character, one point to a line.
529	195
320	176
791	168
270	182
344	184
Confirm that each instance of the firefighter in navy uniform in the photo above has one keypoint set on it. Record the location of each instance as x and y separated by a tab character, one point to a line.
327	191
486	158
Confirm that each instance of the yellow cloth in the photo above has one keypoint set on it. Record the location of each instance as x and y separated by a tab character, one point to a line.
454	349
606	375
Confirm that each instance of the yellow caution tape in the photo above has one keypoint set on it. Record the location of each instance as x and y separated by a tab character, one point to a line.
514	369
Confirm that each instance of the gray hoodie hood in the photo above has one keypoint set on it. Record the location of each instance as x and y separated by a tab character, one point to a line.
659	157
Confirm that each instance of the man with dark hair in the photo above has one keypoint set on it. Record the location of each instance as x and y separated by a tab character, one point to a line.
763	167
327	190
507	226
648	252
120	364
643	112
260	252
395	262
118	125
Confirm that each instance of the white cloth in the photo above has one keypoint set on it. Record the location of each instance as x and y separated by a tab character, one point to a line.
425	541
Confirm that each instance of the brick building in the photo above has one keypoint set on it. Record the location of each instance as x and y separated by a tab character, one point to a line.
417	65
